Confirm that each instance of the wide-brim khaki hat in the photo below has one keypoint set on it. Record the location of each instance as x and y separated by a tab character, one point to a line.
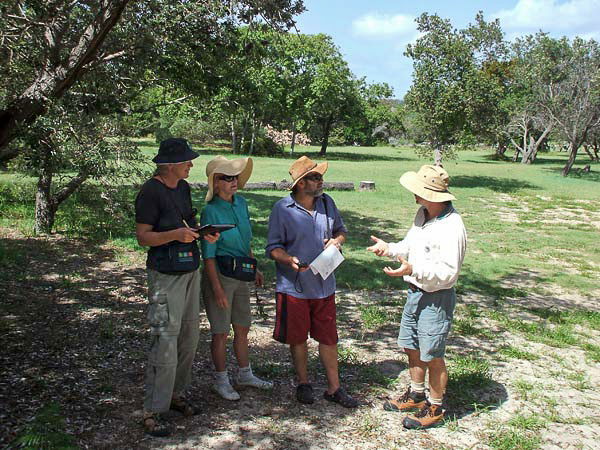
303	166
430	183
219	164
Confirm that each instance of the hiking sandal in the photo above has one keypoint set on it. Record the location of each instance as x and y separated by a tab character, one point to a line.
341	397
155	426
180	404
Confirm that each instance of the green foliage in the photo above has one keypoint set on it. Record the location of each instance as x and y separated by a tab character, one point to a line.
263	146
373	316
517	353
46	431
451	95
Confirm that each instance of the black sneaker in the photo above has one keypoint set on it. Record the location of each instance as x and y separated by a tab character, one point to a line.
304	394
341	397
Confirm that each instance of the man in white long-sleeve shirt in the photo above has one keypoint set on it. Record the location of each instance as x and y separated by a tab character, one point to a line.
431	256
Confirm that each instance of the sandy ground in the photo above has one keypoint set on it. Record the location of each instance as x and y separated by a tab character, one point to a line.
73	323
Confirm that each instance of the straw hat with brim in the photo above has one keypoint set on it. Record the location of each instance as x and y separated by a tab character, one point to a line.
220	164
174	151
303	166
430	183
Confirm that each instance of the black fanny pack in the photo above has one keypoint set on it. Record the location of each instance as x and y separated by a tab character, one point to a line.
241	268
175	257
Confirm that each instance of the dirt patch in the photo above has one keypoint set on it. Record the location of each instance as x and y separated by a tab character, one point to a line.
73	322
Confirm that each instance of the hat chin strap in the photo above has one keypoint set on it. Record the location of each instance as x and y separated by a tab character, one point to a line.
434	190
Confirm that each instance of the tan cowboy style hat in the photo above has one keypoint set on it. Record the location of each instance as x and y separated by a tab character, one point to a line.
303	166
430	183
220	164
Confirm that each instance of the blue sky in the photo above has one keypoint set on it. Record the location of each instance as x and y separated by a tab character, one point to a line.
372	34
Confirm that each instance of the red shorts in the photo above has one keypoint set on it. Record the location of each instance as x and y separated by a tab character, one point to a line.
296	317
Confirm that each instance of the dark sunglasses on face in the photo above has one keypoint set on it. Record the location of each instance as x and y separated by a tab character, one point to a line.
228	178
314	177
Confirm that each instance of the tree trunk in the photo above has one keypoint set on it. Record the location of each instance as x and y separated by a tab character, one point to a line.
437	155
529	151
244	133
500	149
55	80
594	156
326	132
293	138
572	155
45	208
252	137
233	138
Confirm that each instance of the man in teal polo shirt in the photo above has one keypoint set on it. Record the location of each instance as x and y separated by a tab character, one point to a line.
227	299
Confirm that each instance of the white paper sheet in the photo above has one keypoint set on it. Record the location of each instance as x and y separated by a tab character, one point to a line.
327	261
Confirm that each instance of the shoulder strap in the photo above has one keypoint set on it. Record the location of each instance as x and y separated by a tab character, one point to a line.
170	194
329	232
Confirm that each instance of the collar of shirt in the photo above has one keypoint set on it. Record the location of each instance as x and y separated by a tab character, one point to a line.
290	201
218	201
420	218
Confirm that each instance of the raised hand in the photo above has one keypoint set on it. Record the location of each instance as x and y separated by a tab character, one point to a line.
405	269
380	248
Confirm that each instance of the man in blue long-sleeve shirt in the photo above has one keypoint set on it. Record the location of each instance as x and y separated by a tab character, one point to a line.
301	226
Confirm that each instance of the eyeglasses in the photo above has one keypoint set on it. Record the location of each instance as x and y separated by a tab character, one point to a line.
228	178
314	177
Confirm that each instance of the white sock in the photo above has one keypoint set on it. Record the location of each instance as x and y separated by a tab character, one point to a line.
245	372
419	388
222	377
435	401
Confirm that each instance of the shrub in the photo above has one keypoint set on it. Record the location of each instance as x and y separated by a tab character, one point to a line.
263	146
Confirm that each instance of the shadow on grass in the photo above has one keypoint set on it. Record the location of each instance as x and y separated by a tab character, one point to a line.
578	173
493	183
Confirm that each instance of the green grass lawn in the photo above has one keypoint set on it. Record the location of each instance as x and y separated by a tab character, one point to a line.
522	220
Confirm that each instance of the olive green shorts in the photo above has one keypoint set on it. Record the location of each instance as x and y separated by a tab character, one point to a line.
238	310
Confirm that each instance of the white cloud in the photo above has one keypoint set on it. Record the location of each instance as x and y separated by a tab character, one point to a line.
383	26
571	17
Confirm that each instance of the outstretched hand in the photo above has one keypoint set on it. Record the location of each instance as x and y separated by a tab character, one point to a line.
405	269
380	248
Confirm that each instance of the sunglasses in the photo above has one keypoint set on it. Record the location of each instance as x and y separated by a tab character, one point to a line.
228	178
314	177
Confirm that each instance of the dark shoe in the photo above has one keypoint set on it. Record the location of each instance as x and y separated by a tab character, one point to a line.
155	426
429	416
408	401
304	394
181	405
341	397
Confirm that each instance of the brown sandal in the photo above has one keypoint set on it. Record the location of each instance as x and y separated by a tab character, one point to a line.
155	426
180	404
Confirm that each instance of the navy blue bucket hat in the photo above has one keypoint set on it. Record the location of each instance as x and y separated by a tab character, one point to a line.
173	151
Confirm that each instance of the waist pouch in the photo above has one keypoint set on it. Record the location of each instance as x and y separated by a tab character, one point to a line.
241	268
176	257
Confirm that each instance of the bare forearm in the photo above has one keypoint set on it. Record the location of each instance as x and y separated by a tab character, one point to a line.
210	267
281	256
156	238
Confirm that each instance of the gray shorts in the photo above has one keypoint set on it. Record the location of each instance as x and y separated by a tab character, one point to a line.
238	310
426	322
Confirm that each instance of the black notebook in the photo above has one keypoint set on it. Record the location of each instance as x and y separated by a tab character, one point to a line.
212	229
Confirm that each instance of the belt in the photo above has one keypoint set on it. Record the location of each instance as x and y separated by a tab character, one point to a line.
414	288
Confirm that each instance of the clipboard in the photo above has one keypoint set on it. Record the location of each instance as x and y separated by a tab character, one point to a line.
212	229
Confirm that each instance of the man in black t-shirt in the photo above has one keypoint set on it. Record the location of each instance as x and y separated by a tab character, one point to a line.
165	221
